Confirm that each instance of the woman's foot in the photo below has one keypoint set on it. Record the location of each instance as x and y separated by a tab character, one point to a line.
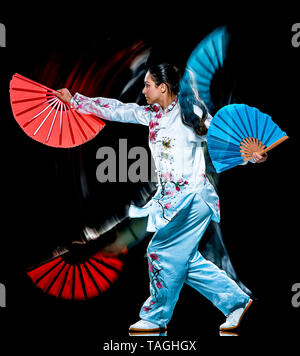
233	320
146	328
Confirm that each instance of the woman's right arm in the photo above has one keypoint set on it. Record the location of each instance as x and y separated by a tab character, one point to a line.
107	109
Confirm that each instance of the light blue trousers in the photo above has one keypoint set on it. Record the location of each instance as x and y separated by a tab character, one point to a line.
174	259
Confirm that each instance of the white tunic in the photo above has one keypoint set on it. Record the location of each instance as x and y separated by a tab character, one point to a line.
177	152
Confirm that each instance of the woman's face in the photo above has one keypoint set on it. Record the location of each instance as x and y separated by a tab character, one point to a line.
152	92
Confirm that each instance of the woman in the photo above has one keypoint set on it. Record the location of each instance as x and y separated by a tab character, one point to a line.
185	201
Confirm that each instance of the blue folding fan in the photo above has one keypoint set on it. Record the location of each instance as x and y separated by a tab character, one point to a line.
237	131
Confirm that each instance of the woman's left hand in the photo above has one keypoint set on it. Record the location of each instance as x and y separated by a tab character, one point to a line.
258	158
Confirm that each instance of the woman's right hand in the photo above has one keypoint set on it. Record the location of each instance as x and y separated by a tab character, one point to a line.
64	95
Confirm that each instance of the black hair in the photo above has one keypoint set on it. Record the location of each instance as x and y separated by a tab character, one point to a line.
168	74
171	76
188	101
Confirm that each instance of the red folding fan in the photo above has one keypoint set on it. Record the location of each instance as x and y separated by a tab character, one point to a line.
46	118
65	278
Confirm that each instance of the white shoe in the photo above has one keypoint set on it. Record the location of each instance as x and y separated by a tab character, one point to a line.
233	320
146	328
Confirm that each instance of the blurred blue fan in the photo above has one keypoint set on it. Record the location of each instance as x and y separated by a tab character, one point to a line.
206	59
237	131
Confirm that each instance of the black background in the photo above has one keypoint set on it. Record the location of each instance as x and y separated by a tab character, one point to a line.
259	204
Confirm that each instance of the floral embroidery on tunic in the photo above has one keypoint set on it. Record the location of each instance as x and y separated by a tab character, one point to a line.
165	151
170	186
152	135
153	123
166	142
102	105
80	103
169	190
